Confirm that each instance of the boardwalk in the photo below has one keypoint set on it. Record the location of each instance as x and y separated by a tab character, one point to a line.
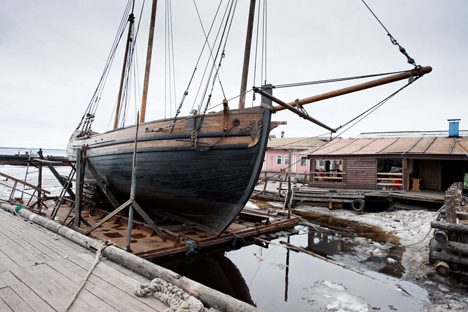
41	271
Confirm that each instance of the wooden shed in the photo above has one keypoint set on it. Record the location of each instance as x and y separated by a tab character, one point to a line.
390	163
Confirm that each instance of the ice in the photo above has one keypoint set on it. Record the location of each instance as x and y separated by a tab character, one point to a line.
336	297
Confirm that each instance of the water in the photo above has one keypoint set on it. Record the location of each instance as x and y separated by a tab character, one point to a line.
49	181
276	279
32	151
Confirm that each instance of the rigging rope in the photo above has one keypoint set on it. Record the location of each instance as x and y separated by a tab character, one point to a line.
392	39
96	97
307	83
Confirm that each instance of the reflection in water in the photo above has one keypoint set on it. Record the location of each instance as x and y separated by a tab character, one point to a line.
286	279
215	271
282	280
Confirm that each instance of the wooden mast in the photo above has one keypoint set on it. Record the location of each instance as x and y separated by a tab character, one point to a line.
148	61
131	19
248	44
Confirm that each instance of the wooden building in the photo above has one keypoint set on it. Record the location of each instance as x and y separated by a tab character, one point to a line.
277	154
390	163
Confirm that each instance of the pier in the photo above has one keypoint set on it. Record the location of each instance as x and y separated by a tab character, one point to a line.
45	263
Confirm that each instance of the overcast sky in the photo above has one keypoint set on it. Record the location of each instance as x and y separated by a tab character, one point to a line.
52	54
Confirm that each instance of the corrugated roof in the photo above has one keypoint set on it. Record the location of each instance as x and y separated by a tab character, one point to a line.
295	143
398	145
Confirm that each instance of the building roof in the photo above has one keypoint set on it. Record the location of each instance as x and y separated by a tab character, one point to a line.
398	145
303	143
395	134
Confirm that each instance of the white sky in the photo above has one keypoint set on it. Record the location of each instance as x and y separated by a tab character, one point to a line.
52	54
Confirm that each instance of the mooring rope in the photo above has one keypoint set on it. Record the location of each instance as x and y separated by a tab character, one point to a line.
85	279
177	299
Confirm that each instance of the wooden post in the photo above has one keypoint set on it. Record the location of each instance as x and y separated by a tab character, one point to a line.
131	19
148	61
39	182
79	184
248	44
132	189
288	198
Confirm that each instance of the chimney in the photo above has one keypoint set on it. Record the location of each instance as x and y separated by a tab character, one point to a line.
453	128
282	134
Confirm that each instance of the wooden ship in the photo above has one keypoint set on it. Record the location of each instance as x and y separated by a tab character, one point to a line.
199	169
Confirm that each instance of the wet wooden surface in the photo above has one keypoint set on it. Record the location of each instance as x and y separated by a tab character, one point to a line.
41	271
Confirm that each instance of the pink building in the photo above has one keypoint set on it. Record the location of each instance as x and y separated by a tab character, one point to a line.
277	154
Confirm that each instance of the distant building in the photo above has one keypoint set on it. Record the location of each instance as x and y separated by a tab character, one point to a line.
277	154
387	162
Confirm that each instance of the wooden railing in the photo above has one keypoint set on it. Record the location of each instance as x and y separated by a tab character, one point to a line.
393	180
328	176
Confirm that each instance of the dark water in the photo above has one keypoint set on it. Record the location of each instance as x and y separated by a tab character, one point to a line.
276	279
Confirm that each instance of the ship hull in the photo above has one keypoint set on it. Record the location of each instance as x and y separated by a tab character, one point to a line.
204	181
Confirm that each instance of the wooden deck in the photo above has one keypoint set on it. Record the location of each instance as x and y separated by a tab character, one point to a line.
277	192
41	271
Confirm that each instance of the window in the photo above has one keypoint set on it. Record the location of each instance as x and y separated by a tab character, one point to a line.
279	160
389	174
328	170
286	160
303	161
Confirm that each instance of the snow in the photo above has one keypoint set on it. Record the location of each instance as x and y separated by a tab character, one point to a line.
336	297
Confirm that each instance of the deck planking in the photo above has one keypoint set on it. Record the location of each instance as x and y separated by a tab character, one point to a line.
40	272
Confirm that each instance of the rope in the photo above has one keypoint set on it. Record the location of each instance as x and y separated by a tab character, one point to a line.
193	248
307	83
392	39
177	299
85	279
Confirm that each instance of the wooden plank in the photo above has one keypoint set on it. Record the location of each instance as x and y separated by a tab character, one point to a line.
4	307
109	291
56	244
95	285
27	294
7	263
19	254
27	241
57	289
12	299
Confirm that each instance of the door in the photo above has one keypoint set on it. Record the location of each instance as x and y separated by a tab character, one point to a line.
430	172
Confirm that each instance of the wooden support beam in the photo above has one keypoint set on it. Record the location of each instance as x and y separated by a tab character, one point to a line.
62	181
452	246
449	258
450	226
110	215
100	181
293	109
25	183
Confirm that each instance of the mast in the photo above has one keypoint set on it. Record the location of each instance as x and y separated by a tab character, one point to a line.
148	62
248	43
131	19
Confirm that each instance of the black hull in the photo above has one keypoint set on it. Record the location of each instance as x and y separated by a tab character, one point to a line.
206	189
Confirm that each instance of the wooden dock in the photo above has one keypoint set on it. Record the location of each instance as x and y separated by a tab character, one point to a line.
335	198
42	270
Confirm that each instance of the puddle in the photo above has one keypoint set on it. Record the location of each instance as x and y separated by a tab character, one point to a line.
355	244
274	278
